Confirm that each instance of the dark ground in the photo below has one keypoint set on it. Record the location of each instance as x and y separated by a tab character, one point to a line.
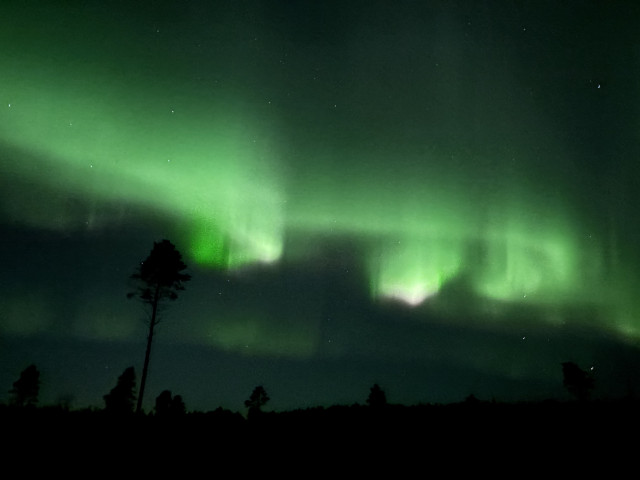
469	436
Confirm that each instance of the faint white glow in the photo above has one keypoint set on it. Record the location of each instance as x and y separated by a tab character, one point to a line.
411	296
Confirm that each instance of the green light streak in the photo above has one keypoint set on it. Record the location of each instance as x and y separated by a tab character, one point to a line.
216	168
253	333
520	267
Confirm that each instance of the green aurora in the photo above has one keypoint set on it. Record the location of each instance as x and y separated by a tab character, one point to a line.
454	175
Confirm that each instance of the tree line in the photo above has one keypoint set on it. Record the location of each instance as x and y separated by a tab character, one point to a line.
121	399
158	279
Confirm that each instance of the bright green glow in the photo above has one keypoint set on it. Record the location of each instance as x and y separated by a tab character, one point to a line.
511	243
415	270
208	246
216	169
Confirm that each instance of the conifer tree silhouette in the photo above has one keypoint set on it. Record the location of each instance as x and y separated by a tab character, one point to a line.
121	398
256	401
159	277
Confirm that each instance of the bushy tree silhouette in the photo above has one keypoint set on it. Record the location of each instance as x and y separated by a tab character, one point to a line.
578	382
177	406
256	401
163	403
159	277
167	405
121	398
377	398
26	389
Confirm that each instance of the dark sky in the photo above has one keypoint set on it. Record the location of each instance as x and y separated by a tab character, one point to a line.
439	197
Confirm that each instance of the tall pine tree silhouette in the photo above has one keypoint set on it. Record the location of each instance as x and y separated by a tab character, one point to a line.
159	279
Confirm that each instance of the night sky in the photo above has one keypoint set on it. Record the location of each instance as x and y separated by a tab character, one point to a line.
439	197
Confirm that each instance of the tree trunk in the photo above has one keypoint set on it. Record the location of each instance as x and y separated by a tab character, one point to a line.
147	354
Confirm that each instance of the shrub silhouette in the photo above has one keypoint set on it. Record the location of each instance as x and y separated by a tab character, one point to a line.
167	405
26	389
377	398
177	406
578	382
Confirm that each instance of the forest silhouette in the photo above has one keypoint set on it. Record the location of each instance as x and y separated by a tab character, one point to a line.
472	426
469	423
